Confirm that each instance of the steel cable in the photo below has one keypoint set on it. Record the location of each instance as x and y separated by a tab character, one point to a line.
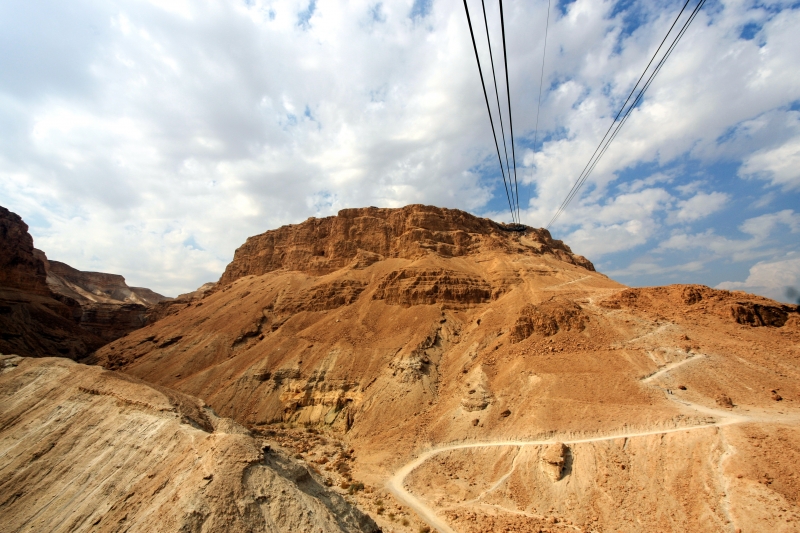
603	144
510	122
497	95
647	84
488	108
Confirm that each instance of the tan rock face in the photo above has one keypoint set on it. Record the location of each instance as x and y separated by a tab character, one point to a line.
97	287
173	305
104	304
116	453
547	319
553	459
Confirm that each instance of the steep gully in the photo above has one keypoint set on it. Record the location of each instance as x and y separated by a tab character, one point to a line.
396	483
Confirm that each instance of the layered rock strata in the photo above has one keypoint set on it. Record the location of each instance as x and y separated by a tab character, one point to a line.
365	235
109	308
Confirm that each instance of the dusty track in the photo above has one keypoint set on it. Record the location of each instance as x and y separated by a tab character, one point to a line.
396	483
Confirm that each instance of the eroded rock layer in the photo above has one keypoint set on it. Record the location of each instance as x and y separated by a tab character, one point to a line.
85	449
104	304
321	246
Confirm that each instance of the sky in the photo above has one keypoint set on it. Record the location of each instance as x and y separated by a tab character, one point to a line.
151	138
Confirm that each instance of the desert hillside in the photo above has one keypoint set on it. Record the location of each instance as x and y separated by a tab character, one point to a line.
84	449
487	378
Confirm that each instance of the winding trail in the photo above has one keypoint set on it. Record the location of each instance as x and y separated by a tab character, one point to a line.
396	483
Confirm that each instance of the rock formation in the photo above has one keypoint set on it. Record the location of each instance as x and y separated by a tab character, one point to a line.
48	307
367	235
173	305
554	457
117	454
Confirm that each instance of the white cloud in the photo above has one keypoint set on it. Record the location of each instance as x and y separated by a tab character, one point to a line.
699	206
762	242
781	166
773	279
762	226
130	128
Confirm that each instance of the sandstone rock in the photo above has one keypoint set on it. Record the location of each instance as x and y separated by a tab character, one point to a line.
478	396
109	308
343	342
755	315
419	287
755	311
173	305
553	459
724	400
547	319
95	287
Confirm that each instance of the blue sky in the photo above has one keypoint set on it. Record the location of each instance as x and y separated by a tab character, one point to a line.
150	138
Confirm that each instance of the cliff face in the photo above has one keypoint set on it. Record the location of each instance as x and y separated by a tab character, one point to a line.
32	321
49	308
96	287
19	267
367	235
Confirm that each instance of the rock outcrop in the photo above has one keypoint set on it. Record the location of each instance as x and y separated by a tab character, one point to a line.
117	454
48	307
173	305
553	459
20	269
361	236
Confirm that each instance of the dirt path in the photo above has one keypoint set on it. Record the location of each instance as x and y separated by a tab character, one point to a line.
551	287
667	368
396	483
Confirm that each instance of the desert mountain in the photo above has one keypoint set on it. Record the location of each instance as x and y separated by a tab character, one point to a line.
49	308
109	308
488	379
84	449
32	321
